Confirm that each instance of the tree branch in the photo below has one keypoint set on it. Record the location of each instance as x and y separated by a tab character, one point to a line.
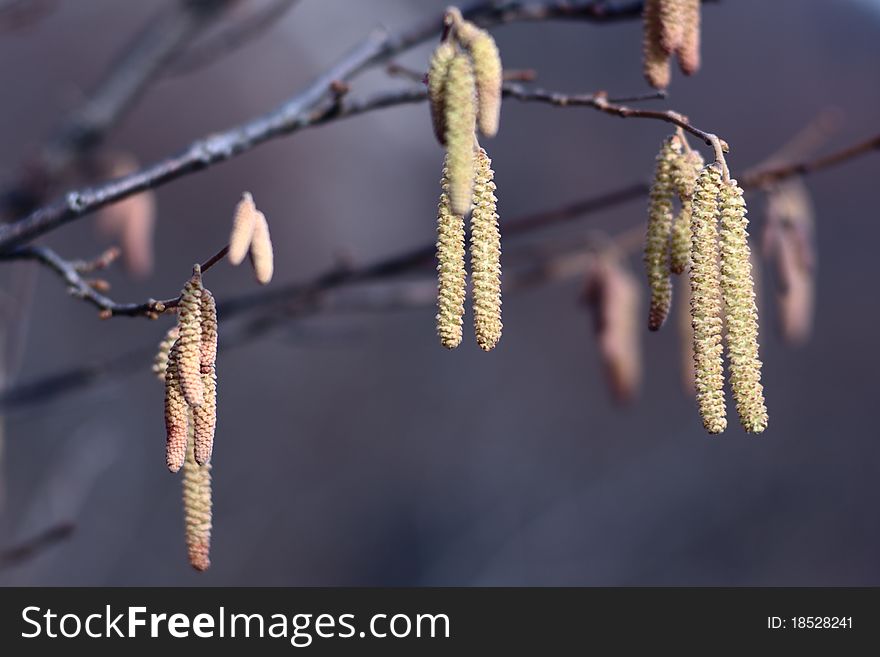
316	98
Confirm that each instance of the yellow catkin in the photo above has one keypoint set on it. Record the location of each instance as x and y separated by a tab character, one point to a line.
689	51
741	312
656	66
706	301
208	344
672	24
451	278
243	224
205	416
437	73
687	168
189	321
160	361
486	256
488	75
461	116
262	256
197	509
176	413
658	233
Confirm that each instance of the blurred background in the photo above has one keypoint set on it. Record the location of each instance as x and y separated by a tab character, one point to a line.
351	448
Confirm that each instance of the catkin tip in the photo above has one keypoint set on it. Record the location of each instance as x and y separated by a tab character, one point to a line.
197	507
656	65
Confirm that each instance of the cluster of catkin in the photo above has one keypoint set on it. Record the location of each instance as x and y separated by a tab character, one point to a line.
671	27
721	286
186	362
464	87
250	237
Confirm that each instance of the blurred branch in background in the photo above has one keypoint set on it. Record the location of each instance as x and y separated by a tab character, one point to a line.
36	545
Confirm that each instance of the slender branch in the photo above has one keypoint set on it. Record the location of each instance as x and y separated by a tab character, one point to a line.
132	71
232	38
36	545
318	97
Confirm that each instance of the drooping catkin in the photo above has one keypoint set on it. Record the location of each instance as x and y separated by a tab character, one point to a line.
706	301
658	233
262	256
451	277
486	256
437	73
189	322
687	169
461	116
672	24
205	416
243	224
197	509
688	52
177	412
612	293
656	65
160	360
741	312
487	73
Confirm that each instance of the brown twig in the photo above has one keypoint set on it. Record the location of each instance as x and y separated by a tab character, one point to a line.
297	112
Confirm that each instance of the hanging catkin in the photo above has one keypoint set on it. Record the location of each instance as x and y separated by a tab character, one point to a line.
205	416
160	361
189	343
656	64
461	113
262	256
437	74
243	224
658	233
486	256
451	279
741	313
176	413
672	24
706	301
197	509
688	52
687	168
487	73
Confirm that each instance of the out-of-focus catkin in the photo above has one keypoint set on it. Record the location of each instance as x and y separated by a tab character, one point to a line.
706	301
197	509
176	413
486	256
437	73
672	24
687	168
658	234
189	350
461	116
243	224
656	66
451	278
688	52
741	313
612	293
487	73
262	256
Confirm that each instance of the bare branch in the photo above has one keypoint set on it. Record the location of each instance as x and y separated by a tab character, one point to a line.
36	545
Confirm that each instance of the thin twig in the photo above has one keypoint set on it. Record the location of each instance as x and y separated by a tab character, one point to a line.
315	100
36	545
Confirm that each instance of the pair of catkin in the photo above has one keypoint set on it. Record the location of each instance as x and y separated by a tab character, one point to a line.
190	377
197	494
668	240
670	27
250	236
485	244
464	89
722	290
